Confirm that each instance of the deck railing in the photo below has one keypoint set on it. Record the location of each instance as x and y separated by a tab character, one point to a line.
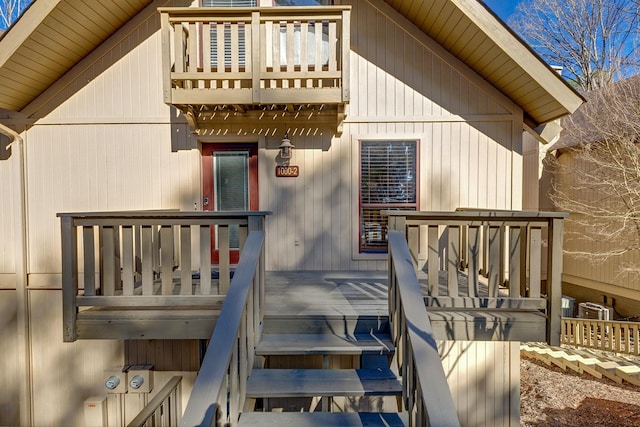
608	335
506	247
164	409
425	391
220	388
272	55
145	259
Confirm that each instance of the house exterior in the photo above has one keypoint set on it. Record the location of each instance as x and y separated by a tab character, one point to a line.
126	106
607	120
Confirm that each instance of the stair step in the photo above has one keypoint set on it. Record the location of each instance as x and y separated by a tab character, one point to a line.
299	344
309	323
322	382
312	419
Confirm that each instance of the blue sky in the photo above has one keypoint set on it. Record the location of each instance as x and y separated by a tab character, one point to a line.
502	8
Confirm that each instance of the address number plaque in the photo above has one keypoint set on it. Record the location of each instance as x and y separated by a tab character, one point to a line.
287	171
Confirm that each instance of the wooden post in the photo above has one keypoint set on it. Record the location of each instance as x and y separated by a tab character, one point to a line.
256	54
453	259
69	278
205	259
517	260
535	262
345	33
495	256
473	270
554	281
165	32
185	260
147	255
224	265
128	260
89	261
432	260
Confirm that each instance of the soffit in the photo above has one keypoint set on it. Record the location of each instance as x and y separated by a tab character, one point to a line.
473	34
50	38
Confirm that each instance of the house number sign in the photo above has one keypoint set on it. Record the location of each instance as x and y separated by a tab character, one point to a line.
287	171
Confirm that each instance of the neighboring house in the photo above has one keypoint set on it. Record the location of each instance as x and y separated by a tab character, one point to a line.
608	124
110	106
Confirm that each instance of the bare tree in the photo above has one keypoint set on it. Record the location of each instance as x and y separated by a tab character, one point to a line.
596	175
10	10
595	41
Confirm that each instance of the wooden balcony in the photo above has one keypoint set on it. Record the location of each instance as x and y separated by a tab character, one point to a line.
488	275
131	275
223	65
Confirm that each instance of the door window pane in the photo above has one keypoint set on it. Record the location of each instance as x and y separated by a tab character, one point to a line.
231	183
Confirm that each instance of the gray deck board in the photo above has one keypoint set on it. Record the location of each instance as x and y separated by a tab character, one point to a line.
322	382
337	302
314	419
285	344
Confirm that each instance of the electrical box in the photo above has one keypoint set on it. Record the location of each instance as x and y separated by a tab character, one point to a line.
140	378
95	412
115	381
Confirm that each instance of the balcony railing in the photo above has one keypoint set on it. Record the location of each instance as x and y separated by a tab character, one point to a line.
274	55
144	259
460	249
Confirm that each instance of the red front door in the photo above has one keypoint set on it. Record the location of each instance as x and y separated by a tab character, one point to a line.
230	183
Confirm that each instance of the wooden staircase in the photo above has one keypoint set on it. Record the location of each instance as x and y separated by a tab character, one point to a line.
584	361
313	345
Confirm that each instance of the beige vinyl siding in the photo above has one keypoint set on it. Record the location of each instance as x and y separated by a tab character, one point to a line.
9	367
607	272
484	378
98	168
530	174
8	189
64	374
470	146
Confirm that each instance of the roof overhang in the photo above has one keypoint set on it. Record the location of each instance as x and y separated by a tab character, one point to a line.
50	38
54	35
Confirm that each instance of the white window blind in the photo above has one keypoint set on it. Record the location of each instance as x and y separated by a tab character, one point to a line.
388	180
227	33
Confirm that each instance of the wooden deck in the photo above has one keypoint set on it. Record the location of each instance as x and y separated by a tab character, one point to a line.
351	302
359	299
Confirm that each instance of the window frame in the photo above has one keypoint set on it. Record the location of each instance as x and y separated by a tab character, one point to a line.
360	252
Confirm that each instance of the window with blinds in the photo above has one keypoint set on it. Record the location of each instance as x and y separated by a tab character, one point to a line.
227	33
388	180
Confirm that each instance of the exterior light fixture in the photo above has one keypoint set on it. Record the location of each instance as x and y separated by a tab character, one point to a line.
286	147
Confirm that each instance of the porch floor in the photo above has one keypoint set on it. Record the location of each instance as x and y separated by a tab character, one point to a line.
360	298
307	301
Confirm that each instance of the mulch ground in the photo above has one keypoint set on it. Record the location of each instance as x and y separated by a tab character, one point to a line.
552	397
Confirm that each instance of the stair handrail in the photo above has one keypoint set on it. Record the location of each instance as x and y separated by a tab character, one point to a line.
170	394
425	391
220	388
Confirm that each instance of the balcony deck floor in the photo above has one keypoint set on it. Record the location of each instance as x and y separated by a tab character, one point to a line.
351	301
355	295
